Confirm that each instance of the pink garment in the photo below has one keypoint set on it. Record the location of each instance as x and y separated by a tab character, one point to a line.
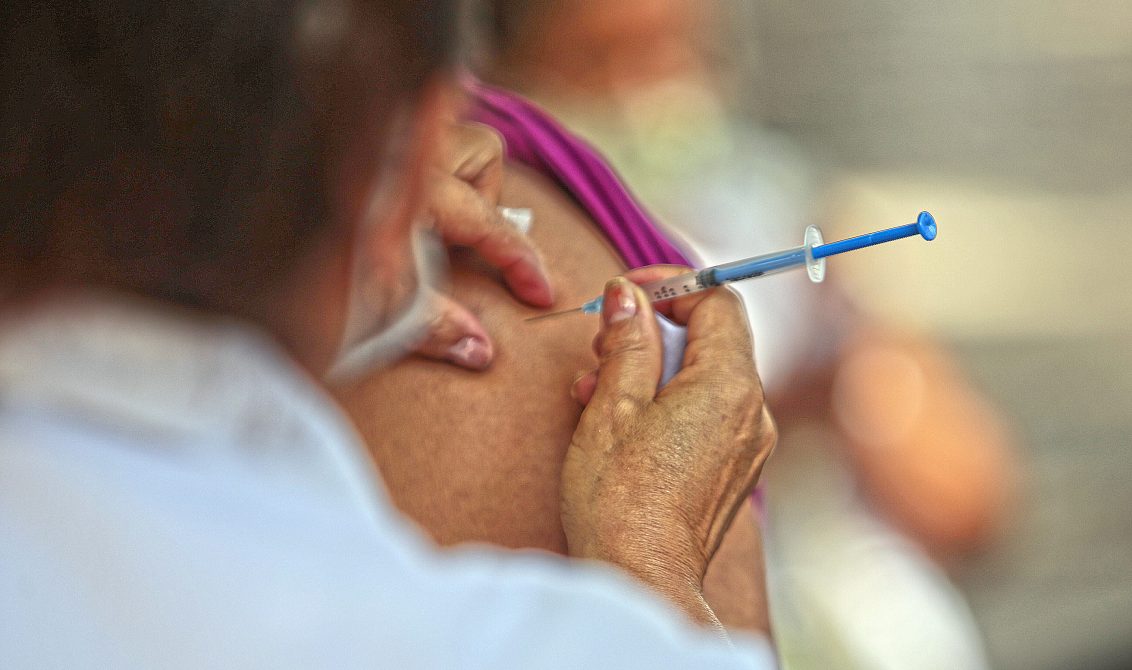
537	141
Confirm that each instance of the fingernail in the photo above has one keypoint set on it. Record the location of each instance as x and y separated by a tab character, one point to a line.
620	301
470	352
520	218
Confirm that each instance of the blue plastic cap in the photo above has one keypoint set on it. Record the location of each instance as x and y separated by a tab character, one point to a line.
925	223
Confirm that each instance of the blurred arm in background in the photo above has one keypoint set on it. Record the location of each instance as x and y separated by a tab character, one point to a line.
928	449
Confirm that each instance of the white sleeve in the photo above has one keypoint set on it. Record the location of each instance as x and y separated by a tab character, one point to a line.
177	500
112	557
528	610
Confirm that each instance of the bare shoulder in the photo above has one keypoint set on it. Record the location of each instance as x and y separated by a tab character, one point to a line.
476	456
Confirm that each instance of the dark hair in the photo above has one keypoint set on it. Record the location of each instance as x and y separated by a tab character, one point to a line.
182	148
509	21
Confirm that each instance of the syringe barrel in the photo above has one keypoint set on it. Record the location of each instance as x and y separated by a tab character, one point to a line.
748	268
757	266
674	287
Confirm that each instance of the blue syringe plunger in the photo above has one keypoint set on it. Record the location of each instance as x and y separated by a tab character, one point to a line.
924	227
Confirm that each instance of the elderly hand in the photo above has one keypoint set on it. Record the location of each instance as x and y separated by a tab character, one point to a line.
463	194
653	478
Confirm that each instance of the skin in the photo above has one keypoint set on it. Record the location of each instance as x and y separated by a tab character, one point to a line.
478	456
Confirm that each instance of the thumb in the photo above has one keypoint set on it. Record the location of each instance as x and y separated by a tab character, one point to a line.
456	335
630	347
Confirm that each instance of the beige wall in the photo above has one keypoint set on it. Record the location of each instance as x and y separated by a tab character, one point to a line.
1009	119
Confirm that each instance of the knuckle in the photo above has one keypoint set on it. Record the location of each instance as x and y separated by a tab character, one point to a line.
484	138
733	302
731	297
728	314
769	430
767	436
473	148
596	345
493	139
624	411
623	415
483	132
726	301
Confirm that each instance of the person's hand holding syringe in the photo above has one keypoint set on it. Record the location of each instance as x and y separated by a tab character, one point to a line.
676	458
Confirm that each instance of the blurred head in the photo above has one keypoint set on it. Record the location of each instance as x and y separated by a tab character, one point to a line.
220	155
597	44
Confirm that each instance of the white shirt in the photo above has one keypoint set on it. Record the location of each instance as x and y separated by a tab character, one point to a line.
176	494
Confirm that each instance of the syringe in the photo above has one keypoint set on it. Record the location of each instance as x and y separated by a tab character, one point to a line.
811	255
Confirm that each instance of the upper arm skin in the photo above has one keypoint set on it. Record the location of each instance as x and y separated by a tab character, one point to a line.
477	456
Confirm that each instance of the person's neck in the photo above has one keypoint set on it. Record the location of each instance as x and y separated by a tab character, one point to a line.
307	314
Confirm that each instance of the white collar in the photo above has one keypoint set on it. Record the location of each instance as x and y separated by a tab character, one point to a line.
137	362
215	387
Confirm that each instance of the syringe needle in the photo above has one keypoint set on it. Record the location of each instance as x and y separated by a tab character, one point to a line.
553	314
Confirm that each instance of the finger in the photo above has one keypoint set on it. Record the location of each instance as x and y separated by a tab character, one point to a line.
719	331
630	348
676	309
455	335
716	319
475	156
723	311
582	390
464	218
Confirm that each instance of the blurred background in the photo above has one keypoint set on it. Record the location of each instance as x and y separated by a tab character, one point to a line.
1008	120
1011	120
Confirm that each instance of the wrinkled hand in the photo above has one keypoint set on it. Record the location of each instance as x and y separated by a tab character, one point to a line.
463	195
652	479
